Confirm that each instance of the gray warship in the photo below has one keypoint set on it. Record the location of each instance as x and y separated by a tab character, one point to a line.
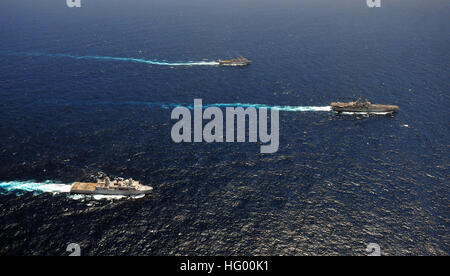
105	186
240	61
359	106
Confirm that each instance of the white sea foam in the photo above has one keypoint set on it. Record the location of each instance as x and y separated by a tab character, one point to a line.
21	187
126	59
138	196
33	186
108	197
277	107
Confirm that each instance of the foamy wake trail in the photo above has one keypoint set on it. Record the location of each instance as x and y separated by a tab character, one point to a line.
244	105
277	107
20	187
123	59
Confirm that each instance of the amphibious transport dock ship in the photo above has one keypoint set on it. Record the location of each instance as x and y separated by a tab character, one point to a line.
241	61
105	186
363	107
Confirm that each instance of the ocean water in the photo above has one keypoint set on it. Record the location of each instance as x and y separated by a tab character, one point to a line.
89	90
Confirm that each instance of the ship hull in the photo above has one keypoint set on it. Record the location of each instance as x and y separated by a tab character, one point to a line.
234	64
112	192
365	110
375	108
93	189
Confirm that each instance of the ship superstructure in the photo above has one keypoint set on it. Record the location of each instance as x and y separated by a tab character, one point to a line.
240	61
105	186
363	107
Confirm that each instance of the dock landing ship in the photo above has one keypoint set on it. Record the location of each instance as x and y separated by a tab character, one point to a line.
105	186
240	61
363	107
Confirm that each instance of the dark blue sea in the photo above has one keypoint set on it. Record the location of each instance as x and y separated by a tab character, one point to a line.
89	90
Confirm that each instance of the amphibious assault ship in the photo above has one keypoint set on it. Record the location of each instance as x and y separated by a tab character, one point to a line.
359	106
105	186
240	61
